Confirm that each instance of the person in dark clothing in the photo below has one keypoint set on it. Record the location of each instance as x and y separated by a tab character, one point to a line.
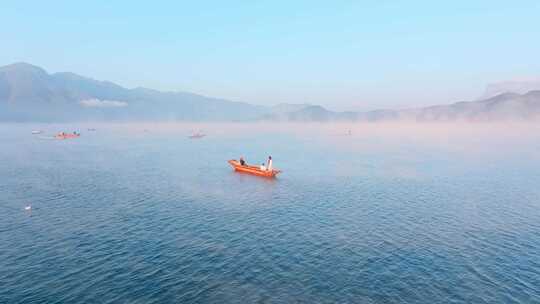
242	161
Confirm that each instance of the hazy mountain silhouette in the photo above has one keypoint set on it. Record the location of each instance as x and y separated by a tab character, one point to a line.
29	93
512	86
508	106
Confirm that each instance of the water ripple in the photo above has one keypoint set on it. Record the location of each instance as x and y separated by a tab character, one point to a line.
127	219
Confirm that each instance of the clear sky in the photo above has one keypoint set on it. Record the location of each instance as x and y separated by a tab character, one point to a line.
340	54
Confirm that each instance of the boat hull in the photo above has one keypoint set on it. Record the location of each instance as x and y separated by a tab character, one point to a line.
196	136
66	136
253	170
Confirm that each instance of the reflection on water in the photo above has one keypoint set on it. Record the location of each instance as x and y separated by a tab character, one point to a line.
388	214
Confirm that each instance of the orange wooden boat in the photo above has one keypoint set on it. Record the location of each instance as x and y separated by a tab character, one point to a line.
197	135
255	170
66	136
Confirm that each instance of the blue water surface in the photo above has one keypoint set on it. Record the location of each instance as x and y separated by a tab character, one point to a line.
126	216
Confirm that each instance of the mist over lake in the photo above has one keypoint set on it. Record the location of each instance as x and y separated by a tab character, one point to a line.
362	213
371	152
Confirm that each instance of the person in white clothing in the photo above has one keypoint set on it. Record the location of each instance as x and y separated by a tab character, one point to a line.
263	168
269	166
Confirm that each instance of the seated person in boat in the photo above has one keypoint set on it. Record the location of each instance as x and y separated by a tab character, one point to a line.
263	167
242	161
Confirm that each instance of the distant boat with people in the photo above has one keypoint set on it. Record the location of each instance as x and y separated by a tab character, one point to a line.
197	135
63	135
262	170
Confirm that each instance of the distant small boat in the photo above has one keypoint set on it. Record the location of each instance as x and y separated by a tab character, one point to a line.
91	129
37	132
255	170
67	135
197	135
28	208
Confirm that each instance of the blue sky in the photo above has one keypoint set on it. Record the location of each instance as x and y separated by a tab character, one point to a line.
341	54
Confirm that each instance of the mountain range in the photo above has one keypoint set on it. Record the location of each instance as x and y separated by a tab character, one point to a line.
29	93
511	86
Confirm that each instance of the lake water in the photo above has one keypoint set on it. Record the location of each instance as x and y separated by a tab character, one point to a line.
388	214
